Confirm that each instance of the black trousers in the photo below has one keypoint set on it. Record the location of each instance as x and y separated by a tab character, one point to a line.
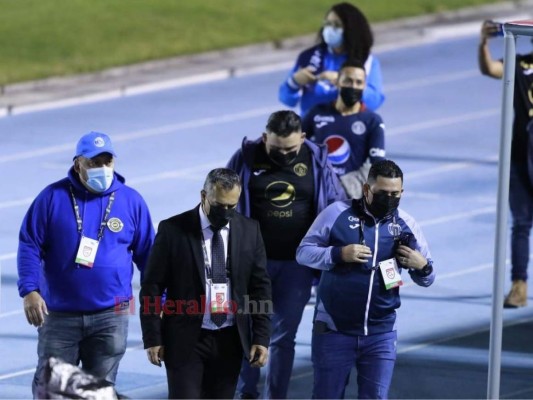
213	369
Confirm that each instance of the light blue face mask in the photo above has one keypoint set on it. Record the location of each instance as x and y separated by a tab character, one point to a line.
100	179
332	36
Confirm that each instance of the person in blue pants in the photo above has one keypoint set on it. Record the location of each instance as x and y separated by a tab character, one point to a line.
286	181
361	246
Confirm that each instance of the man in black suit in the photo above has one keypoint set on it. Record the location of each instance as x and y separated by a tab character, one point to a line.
211	262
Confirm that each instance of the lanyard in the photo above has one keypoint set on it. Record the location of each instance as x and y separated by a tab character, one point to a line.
79	221
362	235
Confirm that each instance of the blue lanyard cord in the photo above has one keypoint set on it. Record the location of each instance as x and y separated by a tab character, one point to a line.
79	221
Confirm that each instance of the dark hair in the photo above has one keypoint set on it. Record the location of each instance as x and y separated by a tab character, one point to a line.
386	169
354	63
224	178
283	123
357	35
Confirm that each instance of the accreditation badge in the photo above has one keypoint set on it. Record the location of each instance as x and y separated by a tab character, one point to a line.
391	274
87	251
219	297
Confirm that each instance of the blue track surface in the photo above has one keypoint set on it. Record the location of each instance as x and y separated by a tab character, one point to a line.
442	119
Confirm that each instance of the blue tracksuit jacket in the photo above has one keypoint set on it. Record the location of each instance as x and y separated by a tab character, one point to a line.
351	297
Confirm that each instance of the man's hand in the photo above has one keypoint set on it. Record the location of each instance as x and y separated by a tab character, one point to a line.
304	76
410	258
35	308
156	354
258	356
488	30
330	76
356	253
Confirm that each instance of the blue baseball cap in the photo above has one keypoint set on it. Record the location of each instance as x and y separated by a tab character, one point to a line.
94	143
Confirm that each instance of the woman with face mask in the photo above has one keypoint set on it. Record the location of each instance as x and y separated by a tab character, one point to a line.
344	34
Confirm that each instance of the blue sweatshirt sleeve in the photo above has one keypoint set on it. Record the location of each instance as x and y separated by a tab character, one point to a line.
32	243
314	250
144	236
289	91
373	96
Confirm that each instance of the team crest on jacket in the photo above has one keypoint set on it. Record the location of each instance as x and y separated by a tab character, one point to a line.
300	169
115	225
358	127
394	229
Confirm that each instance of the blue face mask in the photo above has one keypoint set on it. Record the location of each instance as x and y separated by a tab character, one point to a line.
100	179
332	36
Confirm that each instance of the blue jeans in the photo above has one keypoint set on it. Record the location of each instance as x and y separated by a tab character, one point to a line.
334	355
97	339
291	290
521	202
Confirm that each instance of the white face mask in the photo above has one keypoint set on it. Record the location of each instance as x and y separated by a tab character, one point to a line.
100	179
332	36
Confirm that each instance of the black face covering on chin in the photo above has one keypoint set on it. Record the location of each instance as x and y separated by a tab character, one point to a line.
283	159
219	216
350	95
383	205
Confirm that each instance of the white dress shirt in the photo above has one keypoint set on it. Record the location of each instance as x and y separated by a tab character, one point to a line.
207	234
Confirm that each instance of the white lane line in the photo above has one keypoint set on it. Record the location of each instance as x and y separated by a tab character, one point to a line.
461	215
430	81
32	370
8	256
446	121
16	203
178	173
18	373
10	313
253	113
157	131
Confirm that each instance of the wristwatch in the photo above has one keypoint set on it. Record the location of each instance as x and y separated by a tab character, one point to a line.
425	270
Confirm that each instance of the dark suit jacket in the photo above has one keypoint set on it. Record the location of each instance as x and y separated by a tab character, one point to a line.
176	263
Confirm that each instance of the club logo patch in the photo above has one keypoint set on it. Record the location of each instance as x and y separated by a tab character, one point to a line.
99	142
358	128
300	169
115	225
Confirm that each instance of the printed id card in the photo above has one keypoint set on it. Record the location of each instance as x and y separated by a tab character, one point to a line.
391	274
87	251
219	297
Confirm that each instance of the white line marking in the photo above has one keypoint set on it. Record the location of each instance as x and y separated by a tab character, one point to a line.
440	122
11	313
32	370
18	373
462	215
158	131
8	256
429	81
16	203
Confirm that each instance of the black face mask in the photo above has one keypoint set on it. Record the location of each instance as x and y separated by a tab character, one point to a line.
282	159
350	95
219	216
383	205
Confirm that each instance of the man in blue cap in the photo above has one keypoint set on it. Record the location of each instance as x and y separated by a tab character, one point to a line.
77	245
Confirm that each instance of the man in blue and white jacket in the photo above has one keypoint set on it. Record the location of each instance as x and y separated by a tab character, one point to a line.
77	245
359	246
